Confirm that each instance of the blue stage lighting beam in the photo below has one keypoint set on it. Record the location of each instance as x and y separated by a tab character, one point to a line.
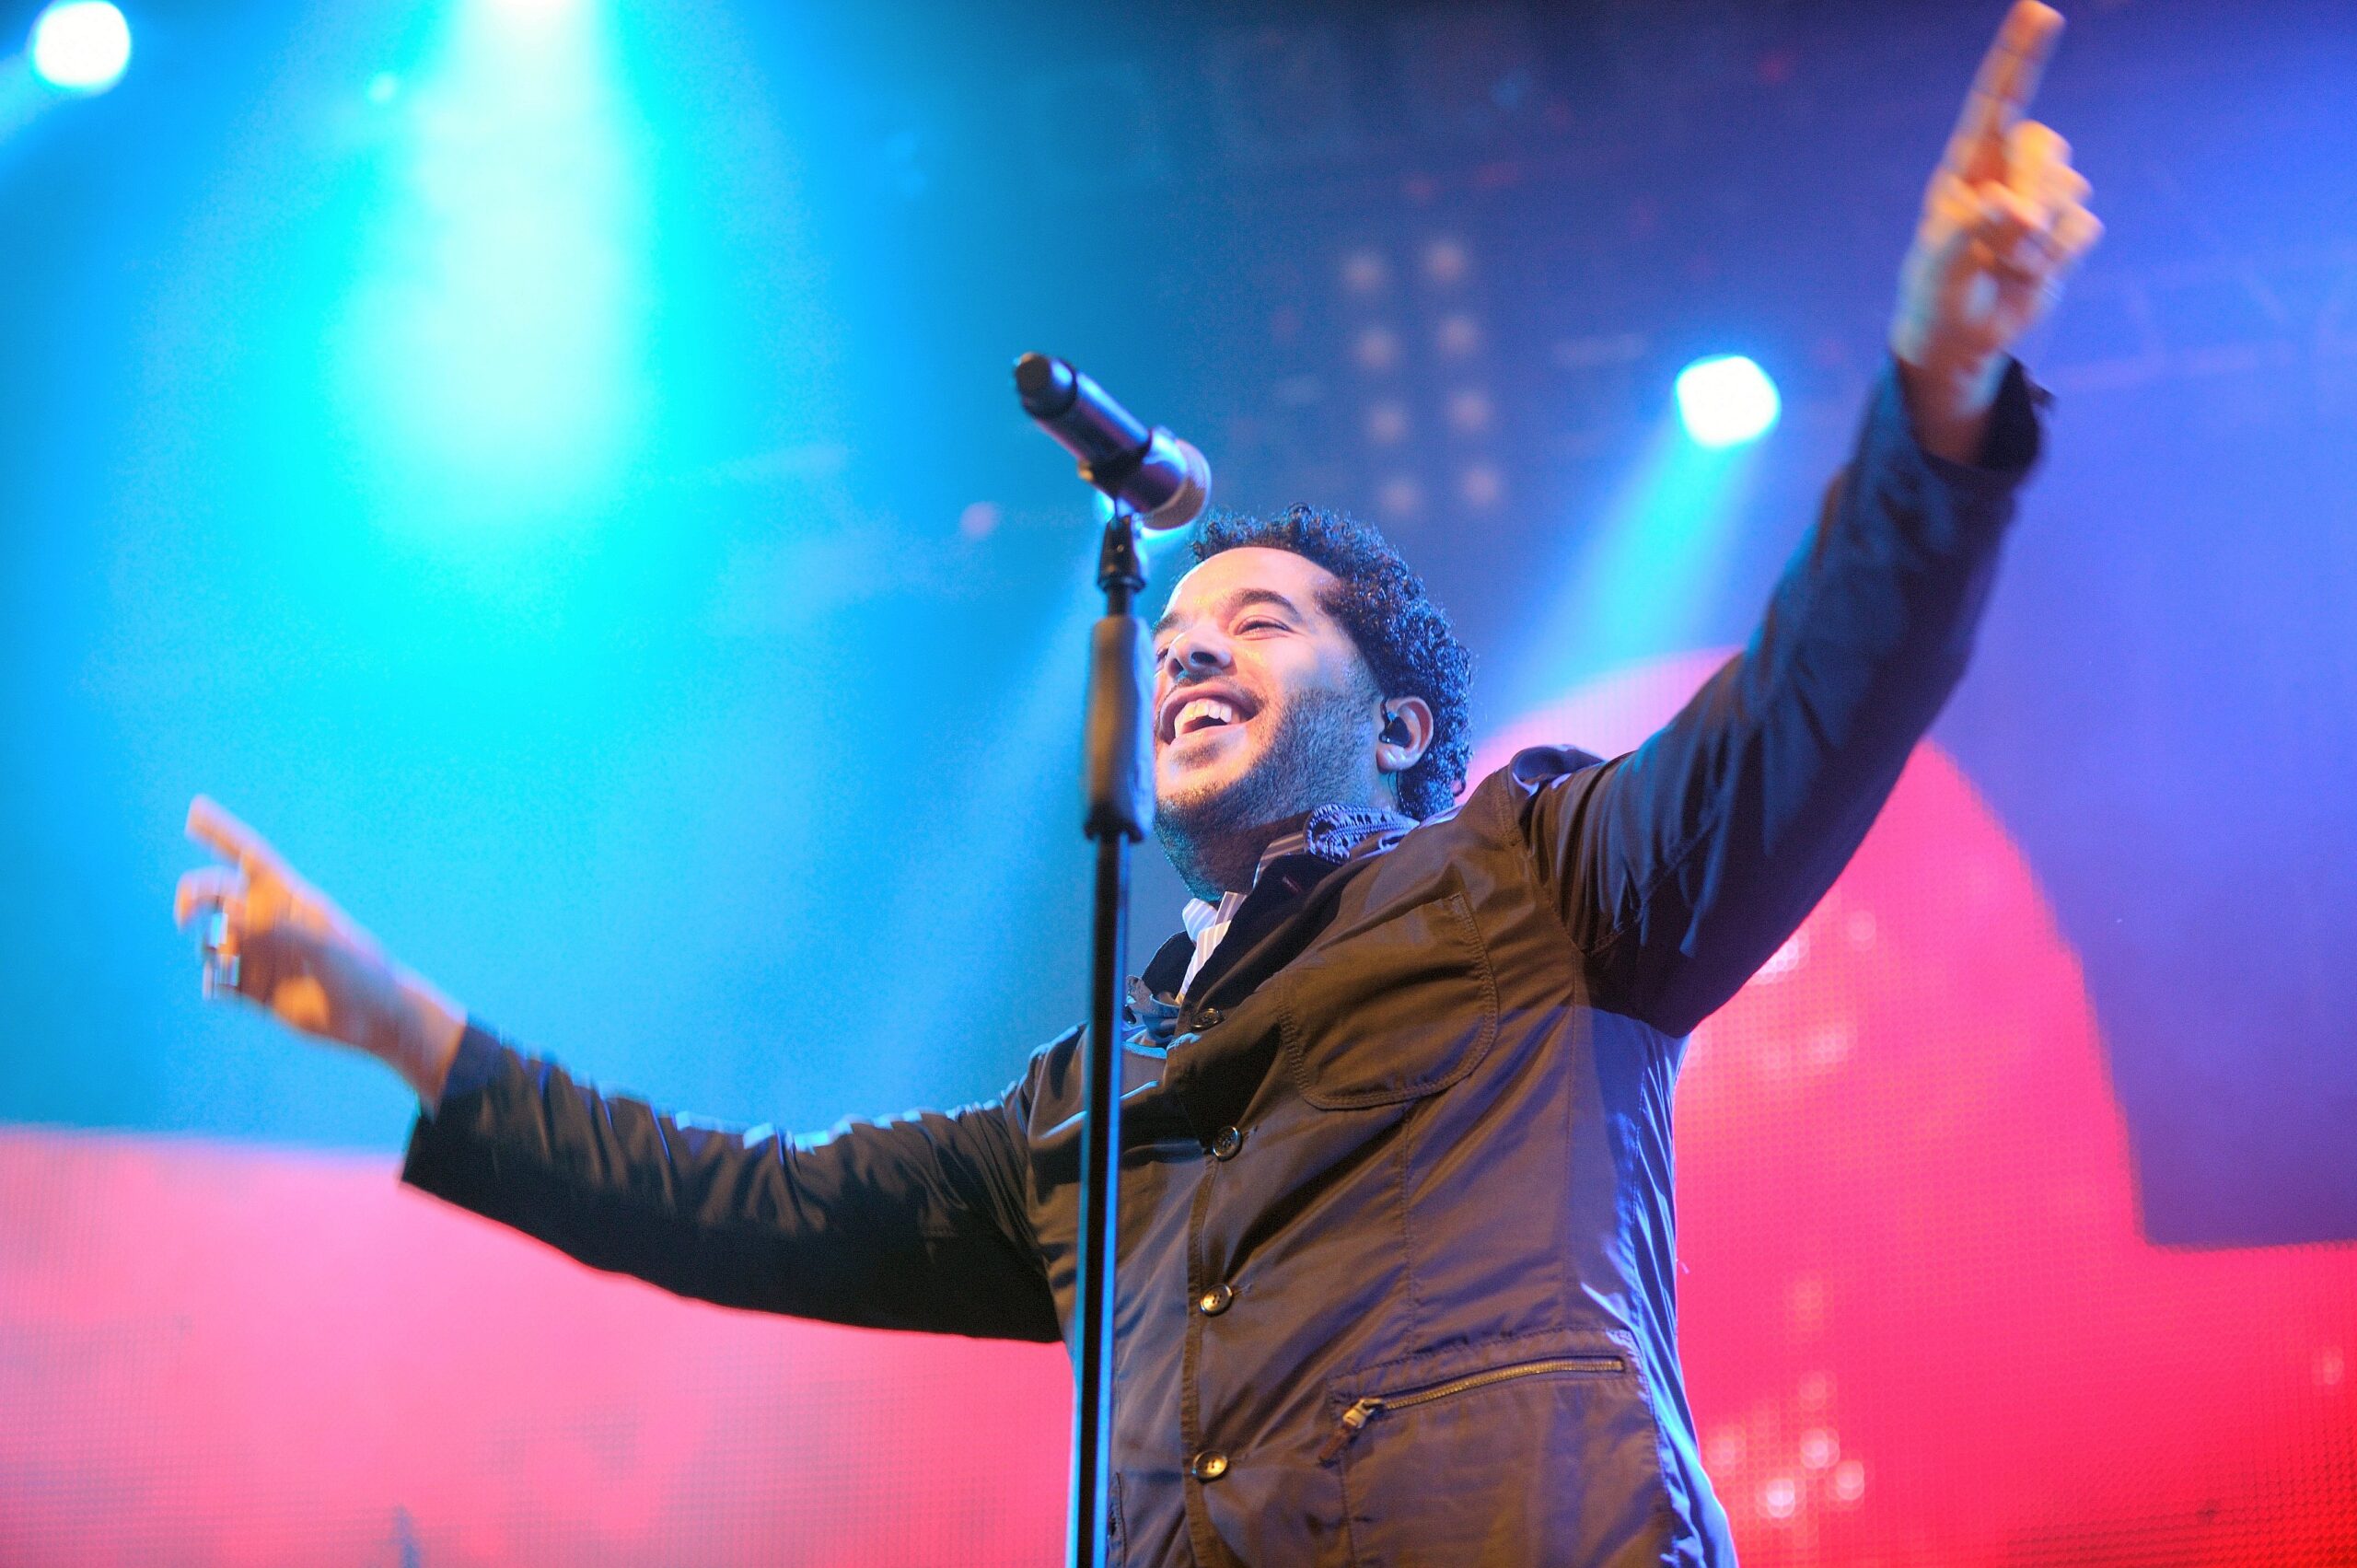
497	343
1644	575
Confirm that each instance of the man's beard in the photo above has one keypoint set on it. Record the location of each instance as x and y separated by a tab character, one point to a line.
1213	834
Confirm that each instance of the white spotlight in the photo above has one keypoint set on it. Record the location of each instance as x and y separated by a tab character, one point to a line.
1727	399
80	46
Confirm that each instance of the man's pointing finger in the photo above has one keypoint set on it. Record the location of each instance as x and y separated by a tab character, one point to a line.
2002	89
211	826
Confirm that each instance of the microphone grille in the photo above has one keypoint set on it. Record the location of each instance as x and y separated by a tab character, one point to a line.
1186	503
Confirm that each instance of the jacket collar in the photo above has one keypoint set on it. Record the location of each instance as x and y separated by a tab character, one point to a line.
1331	836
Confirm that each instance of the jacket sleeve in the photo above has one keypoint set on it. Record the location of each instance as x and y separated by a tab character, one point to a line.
916	1222
1681	866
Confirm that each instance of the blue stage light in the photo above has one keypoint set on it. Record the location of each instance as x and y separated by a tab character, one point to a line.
1727	399
81	46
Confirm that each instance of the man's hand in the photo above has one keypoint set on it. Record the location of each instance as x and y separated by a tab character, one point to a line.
294	953
2004	220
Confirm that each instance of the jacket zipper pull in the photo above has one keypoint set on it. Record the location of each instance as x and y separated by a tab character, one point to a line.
1353	1420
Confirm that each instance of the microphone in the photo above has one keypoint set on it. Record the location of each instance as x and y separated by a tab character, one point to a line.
1162	479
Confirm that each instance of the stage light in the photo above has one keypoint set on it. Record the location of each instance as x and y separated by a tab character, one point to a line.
1364	272
1457	335
1469	410
1727	399
81	46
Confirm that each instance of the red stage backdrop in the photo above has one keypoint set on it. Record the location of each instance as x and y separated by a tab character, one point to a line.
1921	1322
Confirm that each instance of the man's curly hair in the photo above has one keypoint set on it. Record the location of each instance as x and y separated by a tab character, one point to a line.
1404	636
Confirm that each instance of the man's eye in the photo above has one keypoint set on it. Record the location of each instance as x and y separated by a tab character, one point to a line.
1260	623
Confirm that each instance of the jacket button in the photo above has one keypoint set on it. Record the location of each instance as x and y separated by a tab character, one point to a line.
1209	1465
1209	1019
1215	1301
1227	1143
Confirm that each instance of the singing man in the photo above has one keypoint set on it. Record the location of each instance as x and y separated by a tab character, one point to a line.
1398	1263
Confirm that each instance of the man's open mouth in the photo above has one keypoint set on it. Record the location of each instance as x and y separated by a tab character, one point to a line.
1205	712
1202	713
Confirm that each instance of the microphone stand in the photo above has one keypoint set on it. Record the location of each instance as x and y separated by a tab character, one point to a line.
1116	792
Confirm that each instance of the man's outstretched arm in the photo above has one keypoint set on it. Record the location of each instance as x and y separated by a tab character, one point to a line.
915	1223
1681	866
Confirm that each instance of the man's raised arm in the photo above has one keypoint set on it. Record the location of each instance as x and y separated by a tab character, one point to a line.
915	1222
1681	866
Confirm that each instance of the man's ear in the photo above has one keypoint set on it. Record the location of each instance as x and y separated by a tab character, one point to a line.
1406	731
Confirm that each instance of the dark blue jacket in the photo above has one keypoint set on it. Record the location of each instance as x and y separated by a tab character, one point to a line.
1398	1275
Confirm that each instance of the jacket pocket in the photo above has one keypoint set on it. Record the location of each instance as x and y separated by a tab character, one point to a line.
1366	1409
1550	1461
1399	1007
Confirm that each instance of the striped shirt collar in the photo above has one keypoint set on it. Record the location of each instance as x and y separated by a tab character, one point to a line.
1332	833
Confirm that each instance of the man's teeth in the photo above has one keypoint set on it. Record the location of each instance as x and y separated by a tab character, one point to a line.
1203	708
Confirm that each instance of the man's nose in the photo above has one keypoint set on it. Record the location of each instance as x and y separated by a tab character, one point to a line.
1196	654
